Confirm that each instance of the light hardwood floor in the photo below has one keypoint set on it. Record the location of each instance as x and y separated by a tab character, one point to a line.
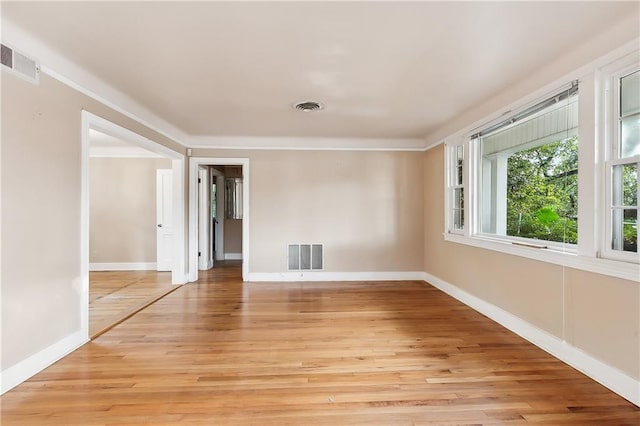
115	295
224	352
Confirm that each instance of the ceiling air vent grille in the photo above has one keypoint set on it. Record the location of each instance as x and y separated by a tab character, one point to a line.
20	64
308	106
305	257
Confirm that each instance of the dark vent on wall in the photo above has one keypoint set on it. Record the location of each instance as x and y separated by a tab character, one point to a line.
305	257
20	64
7	56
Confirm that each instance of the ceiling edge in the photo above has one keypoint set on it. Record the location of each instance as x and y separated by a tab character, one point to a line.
596	53
69	73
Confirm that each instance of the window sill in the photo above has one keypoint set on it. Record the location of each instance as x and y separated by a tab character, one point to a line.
612	268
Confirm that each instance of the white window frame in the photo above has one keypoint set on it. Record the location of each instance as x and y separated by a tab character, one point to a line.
593	200
451	183
610	77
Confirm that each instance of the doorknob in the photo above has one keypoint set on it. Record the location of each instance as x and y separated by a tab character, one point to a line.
159	225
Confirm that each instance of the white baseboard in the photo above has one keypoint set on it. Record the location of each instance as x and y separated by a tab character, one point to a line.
233	256
334	276
16	374
150	266
614	379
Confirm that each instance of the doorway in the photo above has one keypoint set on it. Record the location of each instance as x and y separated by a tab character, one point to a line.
120	177
214	236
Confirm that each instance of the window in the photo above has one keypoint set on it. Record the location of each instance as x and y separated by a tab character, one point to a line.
456	189
528	172
555	178
623	166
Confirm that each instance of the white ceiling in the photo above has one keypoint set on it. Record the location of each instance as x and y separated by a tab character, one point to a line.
382	69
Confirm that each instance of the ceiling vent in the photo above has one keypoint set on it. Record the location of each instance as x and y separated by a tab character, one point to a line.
308	106
20	64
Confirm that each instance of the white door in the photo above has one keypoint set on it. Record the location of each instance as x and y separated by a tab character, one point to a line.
164	215
204	219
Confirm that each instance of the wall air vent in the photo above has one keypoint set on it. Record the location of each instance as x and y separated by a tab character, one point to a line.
20	64
305	257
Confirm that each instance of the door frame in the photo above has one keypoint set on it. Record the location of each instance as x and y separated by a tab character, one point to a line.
194	164
89	121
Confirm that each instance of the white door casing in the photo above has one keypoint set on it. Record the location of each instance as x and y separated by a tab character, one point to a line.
164	219
194	164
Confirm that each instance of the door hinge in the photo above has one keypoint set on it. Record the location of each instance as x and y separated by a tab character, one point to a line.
199	180
199	254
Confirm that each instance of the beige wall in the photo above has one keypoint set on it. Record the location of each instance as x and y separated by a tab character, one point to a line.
597	314
232	227
366	207
233	235
122	213
41	283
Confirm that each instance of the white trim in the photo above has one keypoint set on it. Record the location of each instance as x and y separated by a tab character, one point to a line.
612	268
135	266
303	143
433	145
299	276
178	271
194	164
85	125
105	126
18	373
611	377
233	256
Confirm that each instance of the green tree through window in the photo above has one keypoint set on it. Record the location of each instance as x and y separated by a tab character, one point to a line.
542	192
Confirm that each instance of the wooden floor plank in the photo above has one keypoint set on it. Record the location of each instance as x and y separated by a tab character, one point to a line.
225	352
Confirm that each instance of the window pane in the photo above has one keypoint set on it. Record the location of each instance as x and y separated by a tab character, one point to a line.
458	219
459	164
624	230
630	184
529	175
630	136
630	94
630	230
458	198
537	194
625	185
